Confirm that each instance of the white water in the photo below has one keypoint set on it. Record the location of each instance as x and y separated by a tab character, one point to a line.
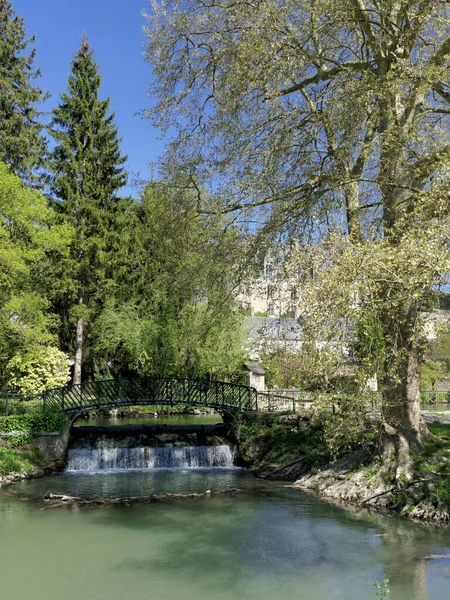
108	458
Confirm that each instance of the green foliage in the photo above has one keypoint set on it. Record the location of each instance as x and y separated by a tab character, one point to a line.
284	369
29	427
315	370
18	441
369	347
368	204
440	495
282	442
29	235
39	369
124	338
432	372
348	427
440	348
33	424
12	461
22	145
86	161
175	314
436	366
87	167
382	588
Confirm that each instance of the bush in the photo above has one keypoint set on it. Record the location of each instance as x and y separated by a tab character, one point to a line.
440	496
34	424
282	442
38	369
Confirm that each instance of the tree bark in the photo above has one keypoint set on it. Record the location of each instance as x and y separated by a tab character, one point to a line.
404	425
78	350
353	210
402	417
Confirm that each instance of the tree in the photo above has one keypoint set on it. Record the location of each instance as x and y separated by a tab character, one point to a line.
330	120
29	235
176	313
88	171
22	144
38	370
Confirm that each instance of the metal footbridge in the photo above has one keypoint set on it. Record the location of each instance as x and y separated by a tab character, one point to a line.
154	391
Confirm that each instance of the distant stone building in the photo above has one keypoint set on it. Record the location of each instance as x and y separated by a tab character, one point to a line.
270	294
268	334
255	376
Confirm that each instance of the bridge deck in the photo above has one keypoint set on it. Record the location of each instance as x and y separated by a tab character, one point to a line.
170	391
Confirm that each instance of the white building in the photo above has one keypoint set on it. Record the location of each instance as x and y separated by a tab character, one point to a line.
270	294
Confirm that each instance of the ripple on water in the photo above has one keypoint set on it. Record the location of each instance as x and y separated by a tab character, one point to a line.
272	542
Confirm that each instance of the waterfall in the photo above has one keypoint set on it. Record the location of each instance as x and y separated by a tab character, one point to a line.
110	456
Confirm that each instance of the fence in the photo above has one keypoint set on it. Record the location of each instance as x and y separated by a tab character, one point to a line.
274	402
15	404
435	401
271	401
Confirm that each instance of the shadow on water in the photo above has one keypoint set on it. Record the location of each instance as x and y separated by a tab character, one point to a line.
271	541
305	539
329	537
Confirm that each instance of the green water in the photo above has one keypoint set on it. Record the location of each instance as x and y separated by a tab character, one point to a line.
270	542
151	420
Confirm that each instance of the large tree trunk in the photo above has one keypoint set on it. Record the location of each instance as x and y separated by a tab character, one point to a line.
78	351
404	425
403	422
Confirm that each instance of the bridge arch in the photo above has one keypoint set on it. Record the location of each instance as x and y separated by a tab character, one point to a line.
225	398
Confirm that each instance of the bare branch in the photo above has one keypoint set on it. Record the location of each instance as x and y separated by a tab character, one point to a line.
325	74
362	15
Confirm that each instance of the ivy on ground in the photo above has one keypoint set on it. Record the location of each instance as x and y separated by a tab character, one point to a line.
33	424
13	461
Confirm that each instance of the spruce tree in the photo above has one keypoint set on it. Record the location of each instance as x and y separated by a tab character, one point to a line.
22	145
87	167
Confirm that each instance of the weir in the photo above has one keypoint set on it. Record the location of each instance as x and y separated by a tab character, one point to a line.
148	447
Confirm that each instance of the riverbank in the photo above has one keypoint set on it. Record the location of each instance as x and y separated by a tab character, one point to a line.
18	465
31	445
294	449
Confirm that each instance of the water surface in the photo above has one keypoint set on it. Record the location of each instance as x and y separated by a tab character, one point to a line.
267	543
149	419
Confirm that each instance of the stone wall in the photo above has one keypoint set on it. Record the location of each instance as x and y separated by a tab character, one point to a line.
53	446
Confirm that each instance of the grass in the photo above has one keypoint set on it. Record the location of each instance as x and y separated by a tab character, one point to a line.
430	494
282	442
437	449
440	430
434	462
18	461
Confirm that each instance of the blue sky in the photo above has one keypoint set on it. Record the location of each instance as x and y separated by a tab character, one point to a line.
114	30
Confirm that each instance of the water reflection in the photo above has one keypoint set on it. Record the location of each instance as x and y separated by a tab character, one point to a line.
269	542
149	419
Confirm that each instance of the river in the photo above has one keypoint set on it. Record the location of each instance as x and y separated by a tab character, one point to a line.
268	542
149	419
271	542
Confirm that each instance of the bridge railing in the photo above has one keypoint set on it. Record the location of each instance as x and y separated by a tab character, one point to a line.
269	402
434	400
149	390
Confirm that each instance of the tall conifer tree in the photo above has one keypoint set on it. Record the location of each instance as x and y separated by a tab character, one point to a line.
87	167
22	145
